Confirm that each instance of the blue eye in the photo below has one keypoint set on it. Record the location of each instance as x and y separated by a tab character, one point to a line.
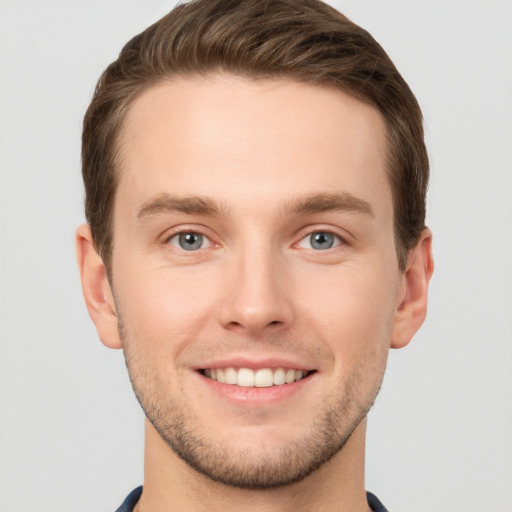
189	241
320	241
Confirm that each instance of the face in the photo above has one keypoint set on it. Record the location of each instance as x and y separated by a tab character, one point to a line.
254	271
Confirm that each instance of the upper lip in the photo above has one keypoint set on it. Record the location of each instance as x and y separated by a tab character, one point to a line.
255	363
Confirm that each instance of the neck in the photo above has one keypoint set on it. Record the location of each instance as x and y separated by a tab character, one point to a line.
171	485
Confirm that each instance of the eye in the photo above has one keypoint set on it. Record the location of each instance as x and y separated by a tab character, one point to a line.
320	241
189	241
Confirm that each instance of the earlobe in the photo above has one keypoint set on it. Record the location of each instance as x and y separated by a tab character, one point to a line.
412	306
96	289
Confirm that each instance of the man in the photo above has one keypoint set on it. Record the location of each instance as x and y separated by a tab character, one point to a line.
255	178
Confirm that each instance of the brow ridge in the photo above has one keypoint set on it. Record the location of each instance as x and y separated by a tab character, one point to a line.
323	202
168	203
201	205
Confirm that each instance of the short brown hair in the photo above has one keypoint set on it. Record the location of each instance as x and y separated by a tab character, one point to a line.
302	40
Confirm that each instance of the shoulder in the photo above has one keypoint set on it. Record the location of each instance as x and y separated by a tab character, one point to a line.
375	503
130	501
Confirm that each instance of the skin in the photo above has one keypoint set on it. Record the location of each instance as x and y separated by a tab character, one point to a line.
238	162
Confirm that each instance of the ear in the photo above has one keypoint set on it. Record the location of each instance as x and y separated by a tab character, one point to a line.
96	288
412	302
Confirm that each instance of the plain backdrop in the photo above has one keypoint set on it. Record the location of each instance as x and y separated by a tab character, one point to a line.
71	432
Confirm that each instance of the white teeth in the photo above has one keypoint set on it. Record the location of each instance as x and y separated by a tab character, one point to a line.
230	374
262	378
279	377
245	378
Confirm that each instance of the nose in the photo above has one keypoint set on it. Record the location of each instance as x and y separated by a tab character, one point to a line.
258	296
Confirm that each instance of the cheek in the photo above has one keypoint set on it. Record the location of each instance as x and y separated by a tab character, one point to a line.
166	309
353	310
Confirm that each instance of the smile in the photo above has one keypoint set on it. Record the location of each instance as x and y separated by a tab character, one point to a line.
260	378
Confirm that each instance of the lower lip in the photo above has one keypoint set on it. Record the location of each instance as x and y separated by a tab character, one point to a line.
254	395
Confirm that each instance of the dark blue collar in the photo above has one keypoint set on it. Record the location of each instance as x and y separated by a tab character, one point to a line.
132	499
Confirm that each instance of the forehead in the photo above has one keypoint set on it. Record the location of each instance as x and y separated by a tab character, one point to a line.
228	137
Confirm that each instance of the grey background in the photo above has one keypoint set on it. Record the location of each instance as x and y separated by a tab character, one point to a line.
71	432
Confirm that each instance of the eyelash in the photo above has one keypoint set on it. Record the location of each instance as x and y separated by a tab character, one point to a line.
176	236
337	240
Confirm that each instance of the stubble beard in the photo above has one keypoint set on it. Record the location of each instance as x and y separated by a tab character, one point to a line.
245	468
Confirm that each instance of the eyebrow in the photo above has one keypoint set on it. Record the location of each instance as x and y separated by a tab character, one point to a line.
318	203
201	205
168	203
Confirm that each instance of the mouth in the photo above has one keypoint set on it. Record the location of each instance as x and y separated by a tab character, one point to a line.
255	378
